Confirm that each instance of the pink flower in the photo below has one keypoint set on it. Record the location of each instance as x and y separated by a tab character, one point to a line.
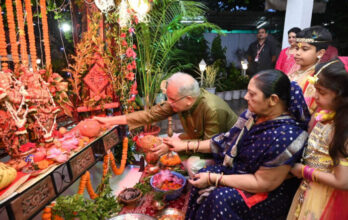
130	53
134	64
130	76
129	66
131	30
133	89
124	43
123	35
134	46
136	19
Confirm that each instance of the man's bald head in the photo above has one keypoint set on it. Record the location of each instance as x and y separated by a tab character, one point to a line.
185	83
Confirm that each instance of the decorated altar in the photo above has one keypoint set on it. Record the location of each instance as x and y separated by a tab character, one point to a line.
53	144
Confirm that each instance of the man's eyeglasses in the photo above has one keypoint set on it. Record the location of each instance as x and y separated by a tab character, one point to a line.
175	101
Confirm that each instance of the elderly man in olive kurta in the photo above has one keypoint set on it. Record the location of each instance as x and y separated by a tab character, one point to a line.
202	114
208	116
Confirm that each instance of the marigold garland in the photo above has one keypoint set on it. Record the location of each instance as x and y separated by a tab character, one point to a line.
118	171
31	34
23	42
86	182
45	35
12	31
47	213
3	45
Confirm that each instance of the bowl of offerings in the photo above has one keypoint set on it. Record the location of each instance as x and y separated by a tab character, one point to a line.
130	196
168	182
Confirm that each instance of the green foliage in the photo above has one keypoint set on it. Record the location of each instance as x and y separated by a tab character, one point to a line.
231	79
157	38
130	154
217	52
192	48
144	186
76	206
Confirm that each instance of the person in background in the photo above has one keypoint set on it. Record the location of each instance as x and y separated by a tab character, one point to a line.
261	53
250	177
323	193
286	62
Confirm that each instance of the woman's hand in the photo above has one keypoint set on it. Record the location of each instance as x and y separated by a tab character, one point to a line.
175	144
297	170
200	180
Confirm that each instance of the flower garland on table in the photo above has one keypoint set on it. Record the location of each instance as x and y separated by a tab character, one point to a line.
31	34
86	182
12	31
45	34
110	156
23	43
3	45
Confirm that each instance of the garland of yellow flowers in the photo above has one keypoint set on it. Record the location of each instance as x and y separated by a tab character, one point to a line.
45	34
12	30
23	42
31	35
3	45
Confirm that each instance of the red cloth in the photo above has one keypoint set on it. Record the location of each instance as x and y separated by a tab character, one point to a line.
330	53
252	199
336	208
344	61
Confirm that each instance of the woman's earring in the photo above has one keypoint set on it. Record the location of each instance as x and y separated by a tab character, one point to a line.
318	57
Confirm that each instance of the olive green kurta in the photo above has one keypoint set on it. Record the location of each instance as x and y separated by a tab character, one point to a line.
208	116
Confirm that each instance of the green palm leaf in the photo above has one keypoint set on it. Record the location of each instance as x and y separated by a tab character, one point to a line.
156	40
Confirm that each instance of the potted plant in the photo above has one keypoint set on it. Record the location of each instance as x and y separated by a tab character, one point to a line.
210	76
231	83
156	39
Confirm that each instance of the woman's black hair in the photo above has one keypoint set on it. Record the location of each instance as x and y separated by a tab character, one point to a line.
317	33
335	78
274	82
294	30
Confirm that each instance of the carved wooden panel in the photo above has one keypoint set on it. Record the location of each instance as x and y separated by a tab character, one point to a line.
111	139
32	200
81	162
